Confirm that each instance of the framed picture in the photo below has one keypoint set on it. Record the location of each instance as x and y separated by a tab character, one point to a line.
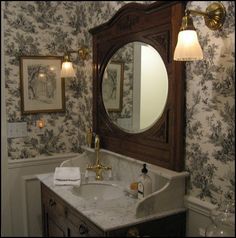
112	86
42	88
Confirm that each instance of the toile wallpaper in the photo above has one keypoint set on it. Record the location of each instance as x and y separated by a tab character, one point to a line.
52	27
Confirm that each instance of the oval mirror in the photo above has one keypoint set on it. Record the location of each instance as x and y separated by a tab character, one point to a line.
135	87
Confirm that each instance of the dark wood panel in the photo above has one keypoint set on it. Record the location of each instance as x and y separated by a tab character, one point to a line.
170	226
54	229
158	25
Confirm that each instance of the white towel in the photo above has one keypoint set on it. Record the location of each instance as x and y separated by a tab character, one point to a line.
67	176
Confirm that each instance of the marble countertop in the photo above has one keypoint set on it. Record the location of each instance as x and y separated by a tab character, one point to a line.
108	215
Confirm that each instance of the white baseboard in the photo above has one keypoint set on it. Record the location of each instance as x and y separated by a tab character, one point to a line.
198	216
197	205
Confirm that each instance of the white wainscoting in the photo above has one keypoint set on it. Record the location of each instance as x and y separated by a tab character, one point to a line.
25	195
198	216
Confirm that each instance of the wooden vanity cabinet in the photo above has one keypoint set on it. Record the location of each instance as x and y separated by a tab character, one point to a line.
61	220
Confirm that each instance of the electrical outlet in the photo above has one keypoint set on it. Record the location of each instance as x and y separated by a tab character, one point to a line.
202	231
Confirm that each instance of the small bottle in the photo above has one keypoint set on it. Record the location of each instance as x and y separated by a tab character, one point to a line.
144	184
89	138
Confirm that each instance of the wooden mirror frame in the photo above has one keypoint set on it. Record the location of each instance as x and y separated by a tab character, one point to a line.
156	24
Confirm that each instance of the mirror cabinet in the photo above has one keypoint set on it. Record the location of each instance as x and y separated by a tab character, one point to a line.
138	89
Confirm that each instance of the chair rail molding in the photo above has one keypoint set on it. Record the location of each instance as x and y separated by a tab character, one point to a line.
198	216
198	205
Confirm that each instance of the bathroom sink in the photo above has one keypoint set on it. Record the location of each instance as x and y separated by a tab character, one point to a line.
99	191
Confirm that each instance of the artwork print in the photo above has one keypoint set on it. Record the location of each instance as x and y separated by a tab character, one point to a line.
42	88
113	86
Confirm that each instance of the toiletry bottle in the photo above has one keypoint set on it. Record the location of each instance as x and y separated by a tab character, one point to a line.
89	138
144	184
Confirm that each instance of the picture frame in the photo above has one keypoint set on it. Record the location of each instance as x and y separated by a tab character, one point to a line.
42	88
112	88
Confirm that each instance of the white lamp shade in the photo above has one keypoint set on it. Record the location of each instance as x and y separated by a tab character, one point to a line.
67	70
188	47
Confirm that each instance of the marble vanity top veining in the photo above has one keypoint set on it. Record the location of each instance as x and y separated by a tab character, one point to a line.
107	215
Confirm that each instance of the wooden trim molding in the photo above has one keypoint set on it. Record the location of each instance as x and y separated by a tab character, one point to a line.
40	160
198	205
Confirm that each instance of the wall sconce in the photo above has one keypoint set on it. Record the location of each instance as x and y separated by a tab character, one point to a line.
40	123
188	47
67	66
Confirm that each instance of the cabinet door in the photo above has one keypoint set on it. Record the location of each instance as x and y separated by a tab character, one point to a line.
53	211
54	229
60	220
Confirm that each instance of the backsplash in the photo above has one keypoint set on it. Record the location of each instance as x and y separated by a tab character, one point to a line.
49	28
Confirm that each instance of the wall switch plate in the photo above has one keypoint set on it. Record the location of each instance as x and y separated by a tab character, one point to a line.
17	129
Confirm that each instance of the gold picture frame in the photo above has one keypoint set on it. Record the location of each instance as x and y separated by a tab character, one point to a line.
42	88
112	88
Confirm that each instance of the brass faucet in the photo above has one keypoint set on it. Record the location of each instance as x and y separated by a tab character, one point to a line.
98	167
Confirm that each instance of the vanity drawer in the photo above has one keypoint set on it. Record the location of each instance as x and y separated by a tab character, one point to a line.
80	226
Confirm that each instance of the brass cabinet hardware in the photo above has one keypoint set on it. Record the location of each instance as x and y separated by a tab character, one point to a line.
133	232
83	229
52	202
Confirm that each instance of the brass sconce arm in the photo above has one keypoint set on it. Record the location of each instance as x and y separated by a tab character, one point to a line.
67	68
82	52
214	15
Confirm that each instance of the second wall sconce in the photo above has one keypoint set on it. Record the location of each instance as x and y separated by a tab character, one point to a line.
40	123
188	47
67	69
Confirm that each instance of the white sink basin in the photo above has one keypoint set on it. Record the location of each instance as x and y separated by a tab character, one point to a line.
99	191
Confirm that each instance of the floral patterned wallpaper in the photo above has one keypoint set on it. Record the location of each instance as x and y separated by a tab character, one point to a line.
210	110
52	27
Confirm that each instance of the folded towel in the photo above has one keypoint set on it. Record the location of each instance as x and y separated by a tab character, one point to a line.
67	176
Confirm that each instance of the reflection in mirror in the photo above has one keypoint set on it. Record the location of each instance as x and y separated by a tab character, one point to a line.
135	87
